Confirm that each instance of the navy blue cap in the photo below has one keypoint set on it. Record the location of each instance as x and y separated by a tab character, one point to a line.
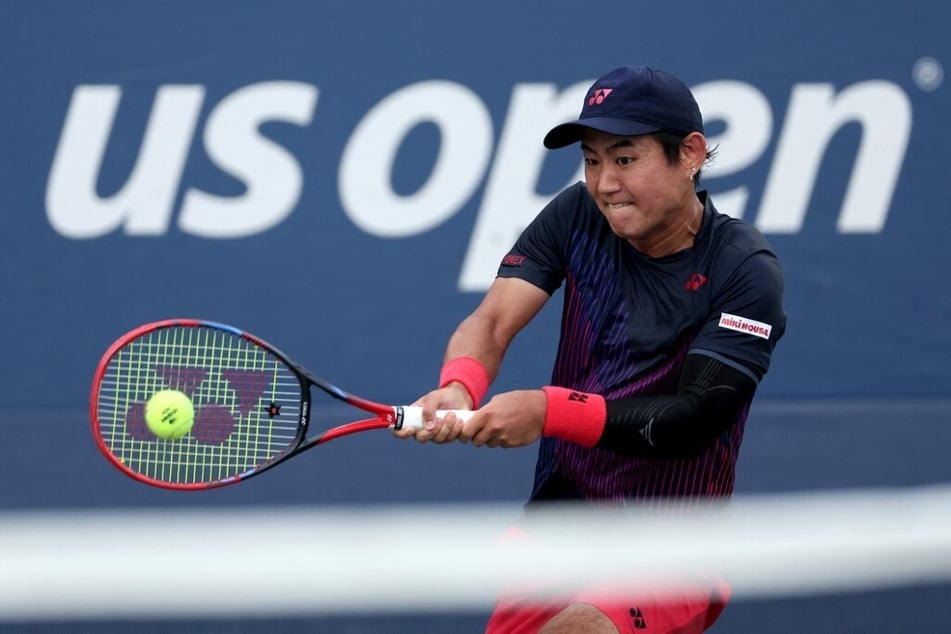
630	101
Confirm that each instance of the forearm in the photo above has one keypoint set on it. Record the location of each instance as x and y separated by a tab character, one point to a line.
476	348
472	360
675	426
477	338
710	397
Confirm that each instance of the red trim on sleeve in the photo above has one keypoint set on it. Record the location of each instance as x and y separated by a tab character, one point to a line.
574	416
470	373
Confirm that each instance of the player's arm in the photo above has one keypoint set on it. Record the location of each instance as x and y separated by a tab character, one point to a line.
486	334
717	380
475	352
709	397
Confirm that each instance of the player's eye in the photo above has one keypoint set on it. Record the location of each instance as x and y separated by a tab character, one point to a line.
625	160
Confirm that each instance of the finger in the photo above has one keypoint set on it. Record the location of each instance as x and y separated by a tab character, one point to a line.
485	438
441	429
422	436
430	403
404	433
498	441
479	439
471	427
449	427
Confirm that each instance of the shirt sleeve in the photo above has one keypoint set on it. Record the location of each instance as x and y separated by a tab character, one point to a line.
747	316
539	254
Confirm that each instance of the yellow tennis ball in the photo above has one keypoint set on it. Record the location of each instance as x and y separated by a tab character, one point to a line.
169	414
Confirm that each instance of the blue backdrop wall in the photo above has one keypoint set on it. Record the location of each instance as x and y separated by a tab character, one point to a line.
341	179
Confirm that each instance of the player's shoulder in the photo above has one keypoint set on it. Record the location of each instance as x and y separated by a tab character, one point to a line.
574	192
572	207
735	234
738	250
573	198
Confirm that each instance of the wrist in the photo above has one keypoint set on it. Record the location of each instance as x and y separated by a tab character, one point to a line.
470	374
573	415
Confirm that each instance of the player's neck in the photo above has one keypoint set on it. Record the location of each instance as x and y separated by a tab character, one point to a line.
677	235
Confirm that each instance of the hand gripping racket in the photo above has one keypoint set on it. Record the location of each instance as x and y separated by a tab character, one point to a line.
252	405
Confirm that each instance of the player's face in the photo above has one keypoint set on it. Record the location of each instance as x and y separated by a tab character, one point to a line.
644	198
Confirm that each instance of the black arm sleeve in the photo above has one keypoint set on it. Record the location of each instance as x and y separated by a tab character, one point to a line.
710	396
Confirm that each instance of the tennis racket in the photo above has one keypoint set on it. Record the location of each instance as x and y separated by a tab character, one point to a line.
252	405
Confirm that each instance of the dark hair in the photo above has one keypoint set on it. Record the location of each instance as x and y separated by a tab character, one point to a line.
671	145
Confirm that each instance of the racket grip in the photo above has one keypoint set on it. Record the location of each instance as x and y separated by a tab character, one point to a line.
412	415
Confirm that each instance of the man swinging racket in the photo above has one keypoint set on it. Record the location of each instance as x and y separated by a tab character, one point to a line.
671	314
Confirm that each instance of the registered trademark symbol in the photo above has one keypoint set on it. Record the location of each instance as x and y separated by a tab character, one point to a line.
927	73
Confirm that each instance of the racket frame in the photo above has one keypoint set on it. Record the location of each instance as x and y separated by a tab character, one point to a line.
385	416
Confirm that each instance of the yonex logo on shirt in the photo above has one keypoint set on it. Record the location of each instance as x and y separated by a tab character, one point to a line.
695	281
742	324
513	260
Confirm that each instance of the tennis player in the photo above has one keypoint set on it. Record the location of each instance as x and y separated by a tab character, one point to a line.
671	314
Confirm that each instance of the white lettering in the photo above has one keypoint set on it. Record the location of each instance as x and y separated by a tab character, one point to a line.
749	125
144	204
365	168
748	326
270	173
510	201
813	117
273	178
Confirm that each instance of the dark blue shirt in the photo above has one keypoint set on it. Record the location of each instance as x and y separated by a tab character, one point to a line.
629	321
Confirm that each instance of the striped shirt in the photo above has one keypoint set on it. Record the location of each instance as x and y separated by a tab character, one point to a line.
628	323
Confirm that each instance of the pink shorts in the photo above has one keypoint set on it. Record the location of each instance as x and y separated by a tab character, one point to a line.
643	612
687	606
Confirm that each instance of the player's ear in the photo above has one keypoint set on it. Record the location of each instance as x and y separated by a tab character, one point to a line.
693	151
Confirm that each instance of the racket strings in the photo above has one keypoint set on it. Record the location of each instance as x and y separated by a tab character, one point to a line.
247	404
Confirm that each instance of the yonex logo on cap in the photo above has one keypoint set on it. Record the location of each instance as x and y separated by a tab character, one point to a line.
742	324
599	96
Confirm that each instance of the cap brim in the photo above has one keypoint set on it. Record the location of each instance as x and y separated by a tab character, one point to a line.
568	133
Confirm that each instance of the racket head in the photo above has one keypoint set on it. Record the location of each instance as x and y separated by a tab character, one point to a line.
251	404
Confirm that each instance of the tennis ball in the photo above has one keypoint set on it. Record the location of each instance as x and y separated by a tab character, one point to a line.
169	414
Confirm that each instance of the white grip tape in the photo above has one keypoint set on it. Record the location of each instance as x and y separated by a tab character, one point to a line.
413	415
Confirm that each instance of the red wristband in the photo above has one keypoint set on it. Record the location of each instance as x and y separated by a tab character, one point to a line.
470	373
574	416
